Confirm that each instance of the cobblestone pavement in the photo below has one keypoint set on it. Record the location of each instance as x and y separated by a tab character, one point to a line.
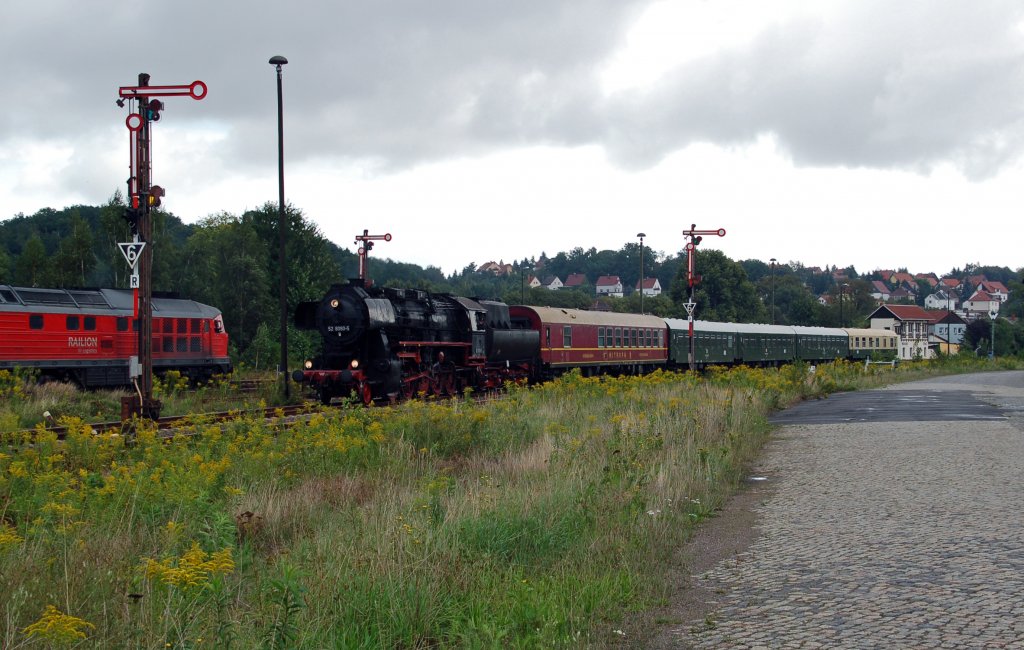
885	534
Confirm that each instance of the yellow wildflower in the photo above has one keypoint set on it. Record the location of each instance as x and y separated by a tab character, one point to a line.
57	627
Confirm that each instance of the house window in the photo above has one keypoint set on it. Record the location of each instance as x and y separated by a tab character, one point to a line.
567	336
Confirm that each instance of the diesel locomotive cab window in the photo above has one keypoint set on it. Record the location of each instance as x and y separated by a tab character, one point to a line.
90	322
72	323
195	325
35	321
567	337
122	324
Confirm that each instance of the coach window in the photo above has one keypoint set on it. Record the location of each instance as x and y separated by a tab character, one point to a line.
195	325
618	337
567	336
547	337
168	326
72	323
600	337
90	323
35	321
182	326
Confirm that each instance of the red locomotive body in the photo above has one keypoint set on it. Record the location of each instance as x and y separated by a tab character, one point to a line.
88	335
596	342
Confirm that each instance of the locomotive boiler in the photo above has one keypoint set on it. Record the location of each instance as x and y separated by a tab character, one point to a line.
385	344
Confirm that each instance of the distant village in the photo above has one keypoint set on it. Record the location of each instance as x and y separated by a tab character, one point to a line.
950	303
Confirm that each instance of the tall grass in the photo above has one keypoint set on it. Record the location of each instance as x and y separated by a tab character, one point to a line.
541	520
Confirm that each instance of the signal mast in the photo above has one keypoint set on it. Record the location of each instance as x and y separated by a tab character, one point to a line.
695	236
144	109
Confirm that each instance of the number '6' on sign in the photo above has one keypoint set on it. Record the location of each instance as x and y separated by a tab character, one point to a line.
131	252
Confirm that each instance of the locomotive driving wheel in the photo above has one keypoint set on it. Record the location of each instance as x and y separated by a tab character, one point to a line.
364	392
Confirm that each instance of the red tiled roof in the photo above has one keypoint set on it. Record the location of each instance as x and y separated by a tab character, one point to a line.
607	280
992	287
648	283
575	280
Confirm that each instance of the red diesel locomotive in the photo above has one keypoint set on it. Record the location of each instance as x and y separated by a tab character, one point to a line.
88	335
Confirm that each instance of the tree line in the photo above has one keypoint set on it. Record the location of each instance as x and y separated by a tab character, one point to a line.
231	261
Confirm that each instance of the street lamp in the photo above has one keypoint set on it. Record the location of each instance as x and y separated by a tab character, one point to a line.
992	313
641	236
842	294
279	61
772	260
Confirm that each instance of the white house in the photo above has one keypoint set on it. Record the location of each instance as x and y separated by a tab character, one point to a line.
609	285
552	283
940	300
651	287
981	303
879	291
911	323
995	289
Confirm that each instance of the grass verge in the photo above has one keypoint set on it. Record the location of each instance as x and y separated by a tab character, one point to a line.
542	520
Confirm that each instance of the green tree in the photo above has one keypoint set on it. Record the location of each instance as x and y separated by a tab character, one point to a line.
225	264
33	265
724	292
794	302
6	276
75	258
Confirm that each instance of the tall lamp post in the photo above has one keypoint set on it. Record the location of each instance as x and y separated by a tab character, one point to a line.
842	296
278	61
773	290
992	313
641	236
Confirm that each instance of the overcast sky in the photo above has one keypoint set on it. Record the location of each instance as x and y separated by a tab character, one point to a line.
875	133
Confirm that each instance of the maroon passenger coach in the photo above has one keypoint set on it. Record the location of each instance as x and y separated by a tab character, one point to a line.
594	341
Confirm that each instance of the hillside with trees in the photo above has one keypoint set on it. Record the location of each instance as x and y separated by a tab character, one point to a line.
231	261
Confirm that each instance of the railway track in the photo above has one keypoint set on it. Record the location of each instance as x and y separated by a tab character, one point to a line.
170	426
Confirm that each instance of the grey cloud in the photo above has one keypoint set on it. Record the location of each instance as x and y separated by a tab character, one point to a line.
403	82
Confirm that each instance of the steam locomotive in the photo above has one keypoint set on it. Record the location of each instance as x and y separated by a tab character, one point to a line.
385	345
391	344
